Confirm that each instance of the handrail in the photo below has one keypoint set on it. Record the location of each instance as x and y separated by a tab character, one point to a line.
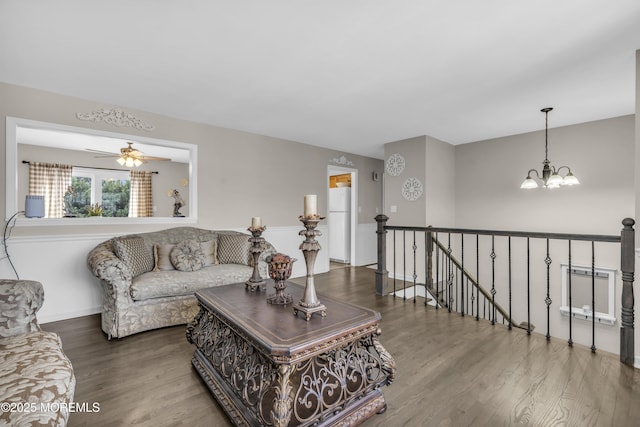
532	234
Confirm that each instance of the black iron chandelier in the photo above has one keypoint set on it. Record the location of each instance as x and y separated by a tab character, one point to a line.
550	176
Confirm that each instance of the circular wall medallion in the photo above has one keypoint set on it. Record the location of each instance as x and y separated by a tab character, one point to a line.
412	189
395	164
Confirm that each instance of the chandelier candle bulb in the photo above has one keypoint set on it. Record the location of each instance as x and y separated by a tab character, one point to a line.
310	205
256	222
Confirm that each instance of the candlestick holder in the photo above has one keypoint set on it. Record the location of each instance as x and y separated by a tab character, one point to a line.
309	303
280	266
256	282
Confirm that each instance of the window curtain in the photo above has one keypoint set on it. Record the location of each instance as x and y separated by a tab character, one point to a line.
140	199
50	180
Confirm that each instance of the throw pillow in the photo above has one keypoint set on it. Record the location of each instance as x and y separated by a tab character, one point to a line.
210	250
163	260
187	256
134	253
233	249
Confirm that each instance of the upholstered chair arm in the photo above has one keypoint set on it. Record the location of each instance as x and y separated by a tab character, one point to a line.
19	302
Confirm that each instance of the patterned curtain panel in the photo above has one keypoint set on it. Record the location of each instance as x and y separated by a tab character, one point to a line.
140	199
50	180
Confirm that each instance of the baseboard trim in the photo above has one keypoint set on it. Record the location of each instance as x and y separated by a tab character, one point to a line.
68	315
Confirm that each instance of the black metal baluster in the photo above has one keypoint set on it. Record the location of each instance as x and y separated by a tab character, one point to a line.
437	273
426	269
462	276
493	281
404	264
456	278
477	277
570	302
394	264
510	291
467	293
547	300
415	275
528	288
449	274
593	297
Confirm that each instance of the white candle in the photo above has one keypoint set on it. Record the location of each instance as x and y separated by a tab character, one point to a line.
256	222
310	205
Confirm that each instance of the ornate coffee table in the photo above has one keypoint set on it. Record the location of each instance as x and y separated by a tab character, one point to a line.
266	366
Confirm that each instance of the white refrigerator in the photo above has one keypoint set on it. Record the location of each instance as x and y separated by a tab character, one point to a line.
340	224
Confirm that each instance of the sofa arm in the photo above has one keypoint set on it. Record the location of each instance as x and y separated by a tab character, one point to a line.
105	265
114	275
19	302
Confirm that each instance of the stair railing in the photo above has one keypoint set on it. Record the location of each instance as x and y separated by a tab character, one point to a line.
455	287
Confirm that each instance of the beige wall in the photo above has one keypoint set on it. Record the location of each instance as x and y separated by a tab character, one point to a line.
240	174
407	212
440	179
489	174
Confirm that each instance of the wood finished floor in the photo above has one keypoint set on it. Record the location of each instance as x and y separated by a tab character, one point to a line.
451	371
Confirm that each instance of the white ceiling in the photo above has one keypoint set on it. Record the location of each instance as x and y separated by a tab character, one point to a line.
344	74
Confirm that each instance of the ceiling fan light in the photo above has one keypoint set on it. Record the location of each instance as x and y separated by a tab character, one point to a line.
137	162
529	183
570	179
128	162
121	161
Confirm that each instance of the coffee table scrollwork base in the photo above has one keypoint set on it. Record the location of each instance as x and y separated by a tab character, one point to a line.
334	381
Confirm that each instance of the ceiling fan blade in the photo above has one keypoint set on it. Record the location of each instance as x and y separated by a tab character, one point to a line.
128	151
102	152
155	159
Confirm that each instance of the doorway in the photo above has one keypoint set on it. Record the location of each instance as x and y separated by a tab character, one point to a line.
342	219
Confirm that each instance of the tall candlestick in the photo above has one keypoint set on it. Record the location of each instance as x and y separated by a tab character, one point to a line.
310	205
256	222
309	303
256	282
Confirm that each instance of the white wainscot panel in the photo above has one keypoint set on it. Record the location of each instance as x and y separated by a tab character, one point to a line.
366	244
59	263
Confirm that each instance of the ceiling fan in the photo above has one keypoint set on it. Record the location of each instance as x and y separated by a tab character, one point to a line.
129	156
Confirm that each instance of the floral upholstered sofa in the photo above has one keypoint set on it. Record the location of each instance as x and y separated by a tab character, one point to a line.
149	279
37	382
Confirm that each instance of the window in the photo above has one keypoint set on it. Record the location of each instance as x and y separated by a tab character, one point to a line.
96	192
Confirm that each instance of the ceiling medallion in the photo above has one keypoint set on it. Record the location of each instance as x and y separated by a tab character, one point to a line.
395	164
412	189
116	117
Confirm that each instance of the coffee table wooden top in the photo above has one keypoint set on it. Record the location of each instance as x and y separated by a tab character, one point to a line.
276	331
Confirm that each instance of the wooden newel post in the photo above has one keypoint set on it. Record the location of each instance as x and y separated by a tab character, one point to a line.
381	272
627	261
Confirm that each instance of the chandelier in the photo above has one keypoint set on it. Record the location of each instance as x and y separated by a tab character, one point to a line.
550	176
